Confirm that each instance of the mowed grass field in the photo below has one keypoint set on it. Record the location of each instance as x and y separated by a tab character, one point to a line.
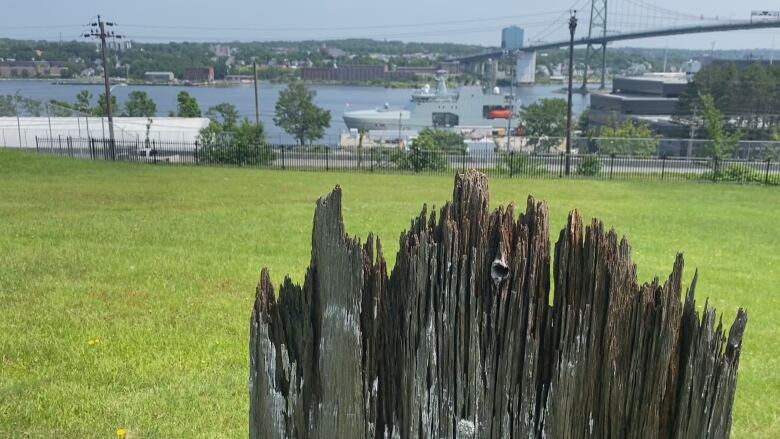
126	290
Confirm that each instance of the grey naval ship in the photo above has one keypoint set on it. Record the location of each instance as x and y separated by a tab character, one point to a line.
471	106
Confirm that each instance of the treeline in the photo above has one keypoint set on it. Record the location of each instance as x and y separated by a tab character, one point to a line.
177	56
747	95
620	59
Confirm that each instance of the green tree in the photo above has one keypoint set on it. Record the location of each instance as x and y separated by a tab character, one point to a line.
84	101
722	143
61	108
139	104
746	95
7	105
224	114
297	114
545	123
244	146
187	105
33	107
423	154
583	123
101	109
628	138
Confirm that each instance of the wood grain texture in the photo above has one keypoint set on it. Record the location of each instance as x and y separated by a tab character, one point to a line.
464	338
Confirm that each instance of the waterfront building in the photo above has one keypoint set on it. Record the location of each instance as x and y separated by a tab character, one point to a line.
159	76
651	99
344	73
199	74
31	69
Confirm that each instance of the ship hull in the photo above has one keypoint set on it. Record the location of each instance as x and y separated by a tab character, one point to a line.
370	120
471	107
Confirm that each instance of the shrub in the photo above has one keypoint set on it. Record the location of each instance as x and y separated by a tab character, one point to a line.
628	138
745	174
590	165
423	155
517	164
243	147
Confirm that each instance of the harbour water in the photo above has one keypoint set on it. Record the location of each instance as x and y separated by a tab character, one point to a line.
336	98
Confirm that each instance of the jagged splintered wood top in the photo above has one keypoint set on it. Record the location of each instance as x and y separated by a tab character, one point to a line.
460	341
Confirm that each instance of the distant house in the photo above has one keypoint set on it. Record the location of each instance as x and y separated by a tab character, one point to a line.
332	52
239	78
159	76
220	51
31	69
118	45
199	74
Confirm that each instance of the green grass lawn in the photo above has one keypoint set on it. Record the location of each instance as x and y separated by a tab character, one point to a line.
159	265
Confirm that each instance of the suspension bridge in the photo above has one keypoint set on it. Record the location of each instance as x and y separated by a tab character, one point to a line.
624	20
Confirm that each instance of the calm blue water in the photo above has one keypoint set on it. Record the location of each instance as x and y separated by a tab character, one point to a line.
336	98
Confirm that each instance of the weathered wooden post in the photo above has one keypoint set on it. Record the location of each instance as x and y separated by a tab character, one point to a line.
464	338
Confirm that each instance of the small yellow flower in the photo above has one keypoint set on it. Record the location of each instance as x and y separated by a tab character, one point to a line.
93	341
121	433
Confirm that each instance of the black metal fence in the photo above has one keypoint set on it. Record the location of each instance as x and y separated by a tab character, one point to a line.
514	164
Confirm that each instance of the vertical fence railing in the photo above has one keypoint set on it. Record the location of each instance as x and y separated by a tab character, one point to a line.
752	167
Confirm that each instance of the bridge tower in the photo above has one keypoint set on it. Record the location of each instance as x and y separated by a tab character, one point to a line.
596	29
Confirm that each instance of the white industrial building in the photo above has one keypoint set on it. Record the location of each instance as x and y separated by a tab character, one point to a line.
22	132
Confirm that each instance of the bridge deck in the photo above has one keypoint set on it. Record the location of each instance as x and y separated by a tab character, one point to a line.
679	30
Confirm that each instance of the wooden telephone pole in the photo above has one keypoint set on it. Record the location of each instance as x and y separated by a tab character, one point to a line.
99	31
257	100
572	28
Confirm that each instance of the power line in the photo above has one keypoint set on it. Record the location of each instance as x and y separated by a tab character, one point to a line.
49	26
471	30
339	28
559	22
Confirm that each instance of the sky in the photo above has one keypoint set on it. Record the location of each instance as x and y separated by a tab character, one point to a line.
457	21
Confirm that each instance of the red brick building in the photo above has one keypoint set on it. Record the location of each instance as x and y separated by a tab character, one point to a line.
199	74
343	73
31	69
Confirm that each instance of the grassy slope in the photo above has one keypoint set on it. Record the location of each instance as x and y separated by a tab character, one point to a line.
160	264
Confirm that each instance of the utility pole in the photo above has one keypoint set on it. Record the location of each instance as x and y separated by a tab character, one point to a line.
48	116
257	101
666	51
17	98
511	101
692	133
572	28
399	128
99	31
